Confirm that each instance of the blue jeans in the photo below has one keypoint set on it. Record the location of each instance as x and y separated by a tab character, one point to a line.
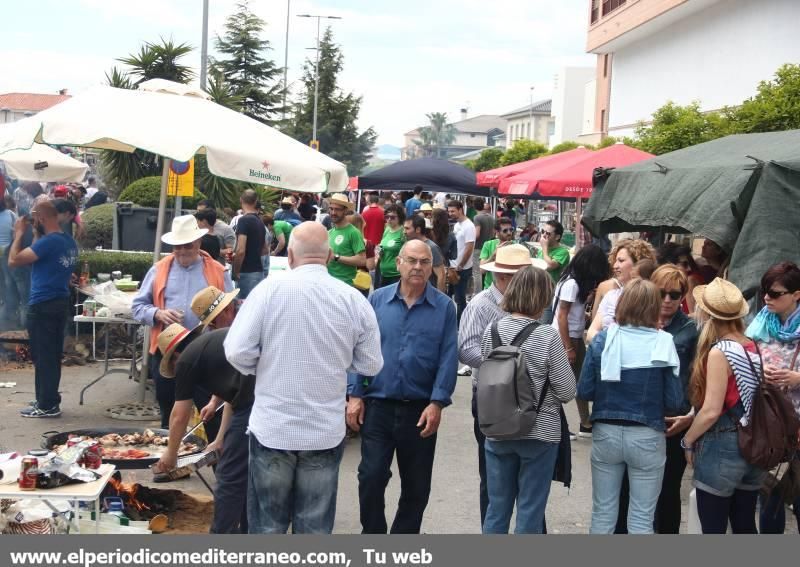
520	471
265	265
292	487
230	494
390	427
644	451
460	291
248	281
772	519
46	323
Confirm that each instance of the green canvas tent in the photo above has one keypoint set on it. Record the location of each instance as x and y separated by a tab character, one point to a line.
742	191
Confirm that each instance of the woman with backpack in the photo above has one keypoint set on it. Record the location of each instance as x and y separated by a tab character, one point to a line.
631	375
724	380
574	289
776	331
521	469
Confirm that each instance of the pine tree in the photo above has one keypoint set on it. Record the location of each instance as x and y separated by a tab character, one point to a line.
256	80
337	112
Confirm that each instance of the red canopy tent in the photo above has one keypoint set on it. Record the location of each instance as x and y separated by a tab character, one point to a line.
575	181
519	184
493	177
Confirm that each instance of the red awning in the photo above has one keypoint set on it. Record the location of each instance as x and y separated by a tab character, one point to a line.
575	181
525	183
493	177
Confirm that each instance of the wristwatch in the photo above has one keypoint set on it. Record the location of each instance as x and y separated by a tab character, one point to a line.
336	257
684	446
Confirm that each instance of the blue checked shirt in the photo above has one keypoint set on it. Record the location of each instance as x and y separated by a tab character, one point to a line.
419	347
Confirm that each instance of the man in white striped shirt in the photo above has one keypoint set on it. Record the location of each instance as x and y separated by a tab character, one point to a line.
482	311
300	333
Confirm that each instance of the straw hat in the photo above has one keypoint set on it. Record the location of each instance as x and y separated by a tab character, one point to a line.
512	258
426	207
210	302
721	299
184	231
287	201
340	199
168	341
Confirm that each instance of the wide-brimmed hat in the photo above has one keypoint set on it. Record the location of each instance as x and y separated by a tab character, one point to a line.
168	341
210	302
721	300
426	207
184	230
287	201
512	258
340	199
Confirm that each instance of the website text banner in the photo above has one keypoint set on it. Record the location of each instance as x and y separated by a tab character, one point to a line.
391	551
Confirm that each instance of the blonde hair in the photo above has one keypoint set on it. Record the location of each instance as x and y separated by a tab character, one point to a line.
528	292
668	276
357	221
639	305
637	249
710	334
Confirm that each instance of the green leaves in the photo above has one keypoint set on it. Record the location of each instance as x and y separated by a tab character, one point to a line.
523	150
160	61
437	134
488	159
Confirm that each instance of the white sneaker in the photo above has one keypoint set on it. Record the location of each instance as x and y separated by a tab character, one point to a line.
465	371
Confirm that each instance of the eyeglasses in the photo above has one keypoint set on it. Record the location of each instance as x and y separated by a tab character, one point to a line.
415	261
548	232
774	293
673	294
506	230
391	217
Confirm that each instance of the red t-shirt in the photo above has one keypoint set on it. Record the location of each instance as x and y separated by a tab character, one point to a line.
373	219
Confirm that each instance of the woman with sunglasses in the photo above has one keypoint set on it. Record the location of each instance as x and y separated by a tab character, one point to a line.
776	330
681	256
624	255
393	239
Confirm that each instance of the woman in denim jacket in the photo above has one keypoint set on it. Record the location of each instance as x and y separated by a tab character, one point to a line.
722	386
631	375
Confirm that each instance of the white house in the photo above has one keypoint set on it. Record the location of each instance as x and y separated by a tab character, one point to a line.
520	121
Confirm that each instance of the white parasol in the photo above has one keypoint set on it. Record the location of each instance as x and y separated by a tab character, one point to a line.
43	163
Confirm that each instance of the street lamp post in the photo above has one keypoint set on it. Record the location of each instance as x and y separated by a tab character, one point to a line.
316	72
530	118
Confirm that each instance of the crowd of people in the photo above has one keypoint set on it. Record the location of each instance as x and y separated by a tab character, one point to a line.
390	305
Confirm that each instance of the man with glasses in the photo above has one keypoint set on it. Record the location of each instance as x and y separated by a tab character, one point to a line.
399	409
166	294
504	229
416	228
346	242
553	252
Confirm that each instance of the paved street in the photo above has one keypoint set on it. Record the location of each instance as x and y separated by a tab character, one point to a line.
453	506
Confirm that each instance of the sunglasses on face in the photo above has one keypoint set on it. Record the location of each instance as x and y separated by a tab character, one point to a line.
391	217
774	293
673	295
506	230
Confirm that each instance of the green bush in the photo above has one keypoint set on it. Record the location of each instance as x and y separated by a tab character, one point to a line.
146	191
104	262
98	226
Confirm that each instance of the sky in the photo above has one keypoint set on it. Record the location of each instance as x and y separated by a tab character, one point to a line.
405	58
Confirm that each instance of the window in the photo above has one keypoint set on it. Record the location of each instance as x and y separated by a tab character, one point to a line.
605	65
611	5
603	120
595	11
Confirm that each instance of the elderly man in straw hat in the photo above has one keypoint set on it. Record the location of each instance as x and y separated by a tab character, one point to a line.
287	212
482	311
346	241
198	360
297	425
166	292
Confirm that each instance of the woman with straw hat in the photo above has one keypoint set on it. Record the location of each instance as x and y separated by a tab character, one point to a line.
724	380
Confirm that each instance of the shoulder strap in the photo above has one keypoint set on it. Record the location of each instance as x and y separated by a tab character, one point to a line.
496	342
794	358
523	335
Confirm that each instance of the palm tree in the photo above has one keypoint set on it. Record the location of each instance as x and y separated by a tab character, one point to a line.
437	134
160	61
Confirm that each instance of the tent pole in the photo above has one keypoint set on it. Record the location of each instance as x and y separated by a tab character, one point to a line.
162	206
578	228
358	204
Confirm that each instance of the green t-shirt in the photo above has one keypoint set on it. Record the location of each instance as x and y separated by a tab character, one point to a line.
558	254
471	213
391	243
284	228
346	241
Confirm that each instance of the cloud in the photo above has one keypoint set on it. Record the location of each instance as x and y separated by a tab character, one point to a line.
48	71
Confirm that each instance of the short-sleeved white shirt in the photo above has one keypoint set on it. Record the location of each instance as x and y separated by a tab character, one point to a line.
576	318
464	232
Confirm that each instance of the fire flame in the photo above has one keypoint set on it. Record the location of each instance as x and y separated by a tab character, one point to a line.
128	491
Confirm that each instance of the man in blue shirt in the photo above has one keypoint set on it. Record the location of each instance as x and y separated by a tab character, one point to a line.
53	257
414	203
400	408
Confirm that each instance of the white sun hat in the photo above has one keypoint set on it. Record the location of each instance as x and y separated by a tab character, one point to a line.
184	230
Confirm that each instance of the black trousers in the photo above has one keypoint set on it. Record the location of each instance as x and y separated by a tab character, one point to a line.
481	439
46	322
391	427
668	510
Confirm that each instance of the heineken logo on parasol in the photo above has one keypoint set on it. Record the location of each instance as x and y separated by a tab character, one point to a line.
266	175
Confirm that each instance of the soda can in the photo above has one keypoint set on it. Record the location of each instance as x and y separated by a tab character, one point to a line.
116	275
29	470
93	457
90	308
74	440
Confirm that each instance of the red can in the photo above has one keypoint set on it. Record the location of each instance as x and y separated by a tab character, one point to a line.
74	440
93	457
28	472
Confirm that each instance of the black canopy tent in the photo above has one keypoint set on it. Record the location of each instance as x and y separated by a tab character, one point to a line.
741	191
433	175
